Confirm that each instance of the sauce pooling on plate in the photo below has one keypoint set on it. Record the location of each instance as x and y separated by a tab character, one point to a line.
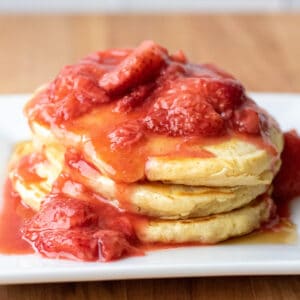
13	215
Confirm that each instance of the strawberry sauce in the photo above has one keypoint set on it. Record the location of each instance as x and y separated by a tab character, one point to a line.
287	181
77	224
12	217
126	106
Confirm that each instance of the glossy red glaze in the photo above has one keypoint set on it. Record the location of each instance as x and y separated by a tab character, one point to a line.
70	228
74	223
177	98
287	181
26	168
122	101
12	217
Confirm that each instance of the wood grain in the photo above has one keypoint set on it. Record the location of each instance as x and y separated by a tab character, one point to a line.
263	51
246	288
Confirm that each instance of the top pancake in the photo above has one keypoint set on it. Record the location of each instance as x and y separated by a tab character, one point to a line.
236	161
143	114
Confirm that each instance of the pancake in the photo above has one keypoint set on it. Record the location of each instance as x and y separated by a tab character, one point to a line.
31	193
175	201
153	199
236	161
208	230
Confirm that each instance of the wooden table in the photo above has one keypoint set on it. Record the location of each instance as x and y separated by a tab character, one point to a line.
263	51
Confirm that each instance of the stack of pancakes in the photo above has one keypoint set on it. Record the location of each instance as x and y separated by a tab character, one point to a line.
185	199
178	143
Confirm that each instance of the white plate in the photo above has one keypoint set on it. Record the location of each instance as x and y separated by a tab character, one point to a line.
180	262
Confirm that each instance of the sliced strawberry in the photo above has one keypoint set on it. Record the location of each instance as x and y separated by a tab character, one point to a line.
112	245
185	114
223	91
70	228
140	66
126	135
75	91
134	98
287	181
64	213
77	244
247	121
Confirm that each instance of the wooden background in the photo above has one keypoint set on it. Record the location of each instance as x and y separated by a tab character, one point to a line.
263	51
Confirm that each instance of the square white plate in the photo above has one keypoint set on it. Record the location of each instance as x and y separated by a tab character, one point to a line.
216	260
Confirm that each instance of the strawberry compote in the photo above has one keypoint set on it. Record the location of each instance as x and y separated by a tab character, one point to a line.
120	102
174	96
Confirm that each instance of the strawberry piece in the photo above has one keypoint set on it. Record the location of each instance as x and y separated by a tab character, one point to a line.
197	105
64	213
81	244
140	66
134	98
223	91
287	181
75	91
247	121
224	95
126	135
185	114
74	229
59	243
112	245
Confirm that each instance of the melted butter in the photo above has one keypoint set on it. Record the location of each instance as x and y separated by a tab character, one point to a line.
284	233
